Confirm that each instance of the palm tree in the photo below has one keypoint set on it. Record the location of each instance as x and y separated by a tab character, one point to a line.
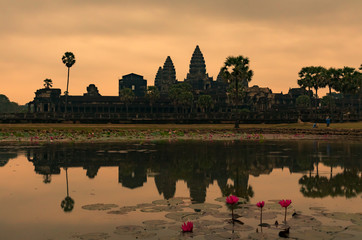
48	83
69	60
236	71
313	77
349	82
153	94
68	203
333	79
127	96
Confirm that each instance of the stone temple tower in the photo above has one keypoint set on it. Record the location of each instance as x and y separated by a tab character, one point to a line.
166	76
197	76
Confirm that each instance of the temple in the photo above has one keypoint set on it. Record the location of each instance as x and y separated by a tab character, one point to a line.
257	104
197	76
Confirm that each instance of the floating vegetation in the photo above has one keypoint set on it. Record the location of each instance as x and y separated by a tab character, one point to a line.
123	210
183	216
353	217
128	229
99	206
204	206
212	221
92	236
303	221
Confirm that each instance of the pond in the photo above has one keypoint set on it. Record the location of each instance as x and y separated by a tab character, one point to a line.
146	190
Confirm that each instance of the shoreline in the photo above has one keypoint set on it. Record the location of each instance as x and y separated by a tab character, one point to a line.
112	134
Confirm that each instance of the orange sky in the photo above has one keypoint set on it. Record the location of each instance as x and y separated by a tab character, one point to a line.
111	38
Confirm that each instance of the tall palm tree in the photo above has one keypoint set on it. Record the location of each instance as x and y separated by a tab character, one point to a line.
313	77
68	203
333	79
69	60
236	71
348	83
126	96
152	94
48	83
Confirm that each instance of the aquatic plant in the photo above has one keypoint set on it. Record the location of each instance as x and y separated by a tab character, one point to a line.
285	204
187	226
261	205
232	203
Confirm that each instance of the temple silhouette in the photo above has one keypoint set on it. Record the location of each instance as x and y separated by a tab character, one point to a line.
257	105
201	164
134	104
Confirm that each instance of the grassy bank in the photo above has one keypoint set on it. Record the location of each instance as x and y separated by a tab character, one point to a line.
338	126
29	133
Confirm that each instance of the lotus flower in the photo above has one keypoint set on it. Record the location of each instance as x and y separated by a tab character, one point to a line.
285	204
261	205
232	200
187	227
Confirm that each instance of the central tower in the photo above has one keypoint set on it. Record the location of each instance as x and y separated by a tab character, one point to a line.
197	76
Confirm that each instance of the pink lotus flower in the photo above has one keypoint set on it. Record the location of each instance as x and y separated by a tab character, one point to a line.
260	204
187	227
285	203
232	200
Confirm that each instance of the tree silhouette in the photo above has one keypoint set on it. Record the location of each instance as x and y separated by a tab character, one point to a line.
152	94
313	77
126	96
205	102
236	72
69	60
68	203
48	83
181	95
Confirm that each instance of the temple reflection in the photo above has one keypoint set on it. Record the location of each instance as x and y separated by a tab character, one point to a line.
199	164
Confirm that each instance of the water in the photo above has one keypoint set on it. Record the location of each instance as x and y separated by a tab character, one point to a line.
43	188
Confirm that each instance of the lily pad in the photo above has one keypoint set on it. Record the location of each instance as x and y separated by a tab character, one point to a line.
303	221
267	215
99	206
153	225
145	205
204	206
172	201
310	235
128	229
145	235
357	228
218	214
238	227
92	236
162	208
123	210
261	236
183	216
353	217
329	229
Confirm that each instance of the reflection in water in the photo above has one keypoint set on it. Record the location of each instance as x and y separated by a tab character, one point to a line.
68	203
199	164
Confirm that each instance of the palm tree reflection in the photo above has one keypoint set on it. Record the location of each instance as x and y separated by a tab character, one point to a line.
68	203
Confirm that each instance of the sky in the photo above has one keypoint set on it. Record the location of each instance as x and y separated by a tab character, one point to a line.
112	38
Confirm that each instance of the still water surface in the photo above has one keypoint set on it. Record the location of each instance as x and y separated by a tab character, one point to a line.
43	188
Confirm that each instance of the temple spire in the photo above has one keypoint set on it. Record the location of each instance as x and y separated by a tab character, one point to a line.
197	75
158	78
